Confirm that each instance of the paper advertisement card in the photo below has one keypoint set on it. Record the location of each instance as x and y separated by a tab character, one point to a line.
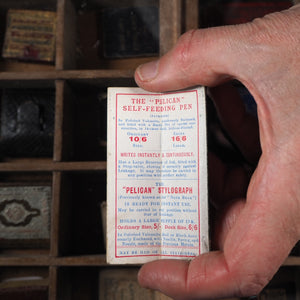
156	175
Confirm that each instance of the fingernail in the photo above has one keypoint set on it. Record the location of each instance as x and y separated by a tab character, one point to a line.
148	71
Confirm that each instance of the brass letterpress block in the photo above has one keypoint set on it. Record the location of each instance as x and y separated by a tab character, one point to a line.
30	35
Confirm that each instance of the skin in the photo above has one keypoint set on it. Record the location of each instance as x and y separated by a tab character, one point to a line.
259	219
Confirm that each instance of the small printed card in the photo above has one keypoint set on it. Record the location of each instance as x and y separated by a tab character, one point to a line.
156	175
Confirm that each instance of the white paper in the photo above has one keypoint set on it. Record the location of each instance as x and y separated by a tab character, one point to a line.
156	175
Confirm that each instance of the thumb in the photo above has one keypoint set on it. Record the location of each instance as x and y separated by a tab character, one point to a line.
213	55
204	56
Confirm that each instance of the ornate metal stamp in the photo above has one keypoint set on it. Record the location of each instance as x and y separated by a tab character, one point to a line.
25	213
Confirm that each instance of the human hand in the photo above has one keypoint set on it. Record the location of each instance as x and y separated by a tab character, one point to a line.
256	233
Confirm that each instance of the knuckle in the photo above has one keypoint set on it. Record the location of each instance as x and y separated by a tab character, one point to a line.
184	50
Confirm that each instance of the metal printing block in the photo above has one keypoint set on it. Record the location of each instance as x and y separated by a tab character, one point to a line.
24	214
27	123
130	32
30	35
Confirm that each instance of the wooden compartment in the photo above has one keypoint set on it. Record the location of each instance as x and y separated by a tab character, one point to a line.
77	283
81	44
92	50
24	283
90	107
86	122
27	122
80	229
